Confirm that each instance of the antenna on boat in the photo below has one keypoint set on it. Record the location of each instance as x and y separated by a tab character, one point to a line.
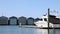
55	13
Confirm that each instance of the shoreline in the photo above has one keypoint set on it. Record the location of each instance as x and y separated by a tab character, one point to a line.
31	26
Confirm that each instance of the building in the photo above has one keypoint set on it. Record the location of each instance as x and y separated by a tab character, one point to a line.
22	20
30	21
3	20
13	20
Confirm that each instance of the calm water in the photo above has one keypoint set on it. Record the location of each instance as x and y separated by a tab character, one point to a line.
18	30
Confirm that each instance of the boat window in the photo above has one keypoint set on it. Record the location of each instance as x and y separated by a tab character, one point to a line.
45	19
40	19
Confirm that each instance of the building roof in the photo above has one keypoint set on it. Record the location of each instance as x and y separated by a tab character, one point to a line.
30	18
22	17
13	17
4	17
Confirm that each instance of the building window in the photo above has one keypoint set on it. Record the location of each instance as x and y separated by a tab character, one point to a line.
45	19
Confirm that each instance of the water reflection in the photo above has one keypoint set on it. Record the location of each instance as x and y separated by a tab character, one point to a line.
18	30
54	31
45	31
41	31
28	31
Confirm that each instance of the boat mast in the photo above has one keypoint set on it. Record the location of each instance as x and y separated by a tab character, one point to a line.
48	19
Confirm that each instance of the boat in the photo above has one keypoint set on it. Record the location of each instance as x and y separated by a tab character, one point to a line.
43	22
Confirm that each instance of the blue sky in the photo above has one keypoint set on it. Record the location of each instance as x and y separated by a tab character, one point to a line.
28	8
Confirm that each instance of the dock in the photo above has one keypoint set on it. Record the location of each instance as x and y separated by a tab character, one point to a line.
33	26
